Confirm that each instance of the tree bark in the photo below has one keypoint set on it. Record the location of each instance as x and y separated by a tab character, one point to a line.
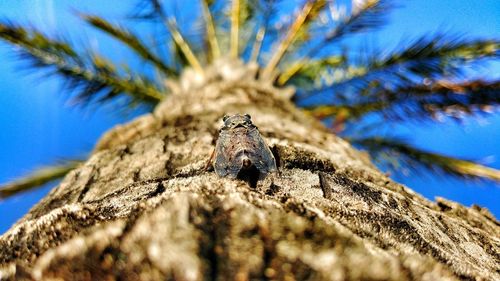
144	208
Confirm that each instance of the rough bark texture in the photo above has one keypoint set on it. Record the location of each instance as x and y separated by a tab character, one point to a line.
144	208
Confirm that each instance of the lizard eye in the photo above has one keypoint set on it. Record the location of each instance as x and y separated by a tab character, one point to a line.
248	116
225	117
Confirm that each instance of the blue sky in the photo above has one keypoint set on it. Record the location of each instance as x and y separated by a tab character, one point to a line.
38	126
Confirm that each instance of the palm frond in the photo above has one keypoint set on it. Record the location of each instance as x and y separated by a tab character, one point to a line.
235	21
183	45
368	16
310	70
266	10
433	56
348	112
257	44
38	178
414	158
131	40
211	31
171	25
371	14
92	77
419	102
427	58
22	37
419	67
309	12
442	97
251	13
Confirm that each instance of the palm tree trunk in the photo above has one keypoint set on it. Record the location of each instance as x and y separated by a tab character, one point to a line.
143	207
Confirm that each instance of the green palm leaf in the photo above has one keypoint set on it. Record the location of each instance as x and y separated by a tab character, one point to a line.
412	157
370	15
38	178
93	77
211	37
171	24
308	14
441	98
307	73
419	102
131	40
435	57
266	10
412	83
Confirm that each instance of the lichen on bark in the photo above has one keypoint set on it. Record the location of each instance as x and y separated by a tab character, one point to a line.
144	208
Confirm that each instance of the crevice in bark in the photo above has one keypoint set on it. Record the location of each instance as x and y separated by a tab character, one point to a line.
87	185
277	157
325	185
159	190
212	253
210	248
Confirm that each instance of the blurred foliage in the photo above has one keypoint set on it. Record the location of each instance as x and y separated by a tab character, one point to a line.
307	46
39	177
